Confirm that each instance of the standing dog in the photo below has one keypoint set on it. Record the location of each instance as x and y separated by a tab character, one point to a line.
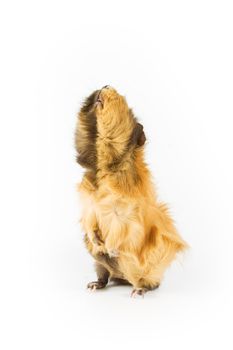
128	232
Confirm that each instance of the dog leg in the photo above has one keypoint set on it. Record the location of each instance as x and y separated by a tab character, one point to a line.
102	275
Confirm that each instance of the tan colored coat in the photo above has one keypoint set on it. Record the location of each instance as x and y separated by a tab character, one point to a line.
121	217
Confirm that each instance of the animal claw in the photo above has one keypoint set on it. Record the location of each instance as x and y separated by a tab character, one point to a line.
138	291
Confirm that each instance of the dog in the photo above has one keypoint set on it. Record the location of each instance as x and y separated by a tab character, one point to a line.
130	235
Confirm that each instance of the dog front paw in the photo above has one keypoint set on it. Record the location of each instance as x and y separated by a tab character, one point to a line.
113	253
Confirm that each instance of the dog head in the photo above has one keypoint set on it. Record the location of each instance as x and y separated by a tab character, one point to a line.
106	130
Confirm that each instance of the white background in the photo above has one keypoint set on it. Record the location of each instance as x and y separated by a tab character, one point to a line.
174	62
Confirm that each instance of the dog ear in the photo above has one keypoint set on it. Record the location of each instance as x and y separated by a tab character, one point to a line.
138	135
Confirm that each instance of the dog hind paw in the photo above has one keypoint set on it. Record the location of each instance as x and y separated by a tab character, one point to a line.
138	291
96	285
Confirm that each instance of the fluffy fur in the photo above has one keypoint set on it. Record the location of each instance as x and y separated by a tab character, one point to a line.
128	232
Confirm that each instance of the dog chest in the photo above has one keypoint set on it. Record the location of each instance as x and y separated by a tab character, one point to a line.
108	210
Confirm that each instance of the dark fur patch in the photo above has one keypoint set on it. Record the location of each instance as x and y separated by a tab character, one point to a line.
105	258
120	281
138	137
87	158
89	102
102	273
86	148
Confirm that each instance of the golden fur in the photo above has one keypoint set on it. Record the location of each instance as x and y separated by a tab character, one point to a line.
128	232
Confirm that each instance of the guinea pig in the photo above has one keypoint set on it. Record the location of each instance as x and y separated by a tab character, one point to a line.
129	233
